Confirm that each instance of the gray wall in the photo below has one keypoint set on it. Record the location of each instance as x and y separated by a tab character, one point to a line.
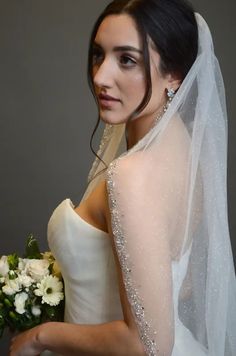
47	112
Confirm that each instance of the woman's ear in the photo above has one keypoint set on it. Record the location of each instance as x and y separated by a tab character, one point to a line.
173	81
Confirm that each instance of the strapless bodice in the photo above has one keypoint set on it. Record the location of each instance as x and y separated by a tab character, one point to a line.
87	263
86	259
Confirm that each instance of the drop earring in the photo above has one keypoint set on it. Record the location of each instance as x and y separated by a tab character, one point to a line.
170	94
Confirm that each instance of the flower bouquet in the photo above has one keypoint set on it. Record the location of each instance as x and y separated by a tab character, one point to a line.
31	289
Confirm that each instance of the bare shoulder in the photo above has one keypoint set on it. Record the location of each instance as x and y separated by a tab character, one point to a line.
131	168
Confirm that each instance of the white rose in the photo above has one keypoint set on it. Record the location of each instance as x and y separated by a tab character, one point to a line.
12	286
25	281
36	311
4	267
19	302
37	269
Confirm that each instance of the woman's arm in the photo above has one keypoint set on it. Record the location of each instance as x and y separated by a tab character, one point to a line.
119	337
114	338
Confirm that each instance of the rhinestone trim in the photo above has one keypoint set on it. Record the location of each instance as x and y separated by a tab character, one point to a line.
146	334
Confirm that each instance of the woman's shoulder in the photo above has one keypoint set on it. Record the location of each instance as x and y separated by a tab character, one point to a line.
166	159
128	166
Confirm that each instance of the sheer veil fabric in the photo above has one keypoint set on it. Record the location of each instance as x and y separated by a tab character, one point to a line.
168	204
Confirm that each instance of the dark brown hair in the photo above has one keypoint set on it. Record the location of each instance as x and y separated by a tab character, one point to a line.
172	27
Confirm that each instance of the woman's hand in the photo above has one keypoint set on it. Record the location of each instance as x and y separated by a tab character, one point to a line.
27	343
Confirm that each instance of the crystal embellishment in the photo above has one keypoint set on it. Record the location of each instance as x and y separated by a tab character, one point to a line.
146	334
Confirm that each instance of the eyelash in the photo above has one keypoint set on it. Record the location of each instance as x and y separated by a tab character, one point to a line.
97	56
126	61
127	58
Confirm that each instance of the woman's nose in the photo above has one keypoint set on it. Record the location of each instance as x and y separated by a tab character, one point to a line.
103	74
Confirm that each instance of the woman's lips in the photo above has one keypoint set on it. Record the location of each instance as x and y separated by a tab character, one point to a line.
107	101
107	97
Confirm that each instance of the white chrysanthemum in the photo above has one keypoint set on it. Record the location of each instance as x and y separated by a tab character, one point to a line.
12	286
36	311
19	302
50	289
4	267
36	269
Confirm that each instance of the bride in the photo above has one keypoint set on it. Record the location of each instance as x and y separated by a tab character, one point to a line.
146	256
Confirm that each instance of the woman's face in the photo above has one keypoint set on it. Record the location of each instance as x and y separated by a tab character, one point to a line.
118	72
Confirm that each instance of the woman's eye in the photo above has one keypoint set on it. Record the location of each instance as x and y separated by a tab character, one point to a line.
127	61
97	56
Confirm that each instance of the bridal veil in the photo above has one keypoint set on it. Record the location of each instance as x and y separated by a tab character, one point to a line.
168	204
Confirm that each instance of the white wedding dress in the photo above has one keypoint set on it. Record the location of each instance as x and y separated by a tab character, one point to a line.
91	286
175	184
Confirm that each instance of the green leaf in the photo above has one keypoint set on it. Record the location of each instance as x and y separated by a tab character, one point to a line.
8	303
12	315
12	274
54	313
13	260
50	311
32	248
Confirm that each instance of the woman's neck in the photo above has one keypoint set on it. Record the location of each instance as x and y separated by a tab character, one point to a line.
137	128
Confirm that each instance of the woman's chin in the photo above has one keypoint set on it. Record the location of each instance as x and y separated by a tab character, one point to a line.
111	120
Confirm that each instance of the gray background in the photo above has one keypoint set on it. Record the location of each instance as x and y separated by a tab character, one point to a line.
47	112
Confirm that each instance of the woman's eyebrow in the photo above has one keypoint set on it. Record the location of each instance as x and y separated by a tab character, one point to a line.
120	48
127	48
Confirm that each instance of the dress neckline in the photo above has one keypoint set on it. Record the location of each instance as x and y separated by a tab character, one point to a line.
68	203
71	206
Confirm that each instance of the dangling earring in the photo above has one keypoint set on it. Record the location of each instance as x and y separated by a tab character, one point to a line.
170	94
